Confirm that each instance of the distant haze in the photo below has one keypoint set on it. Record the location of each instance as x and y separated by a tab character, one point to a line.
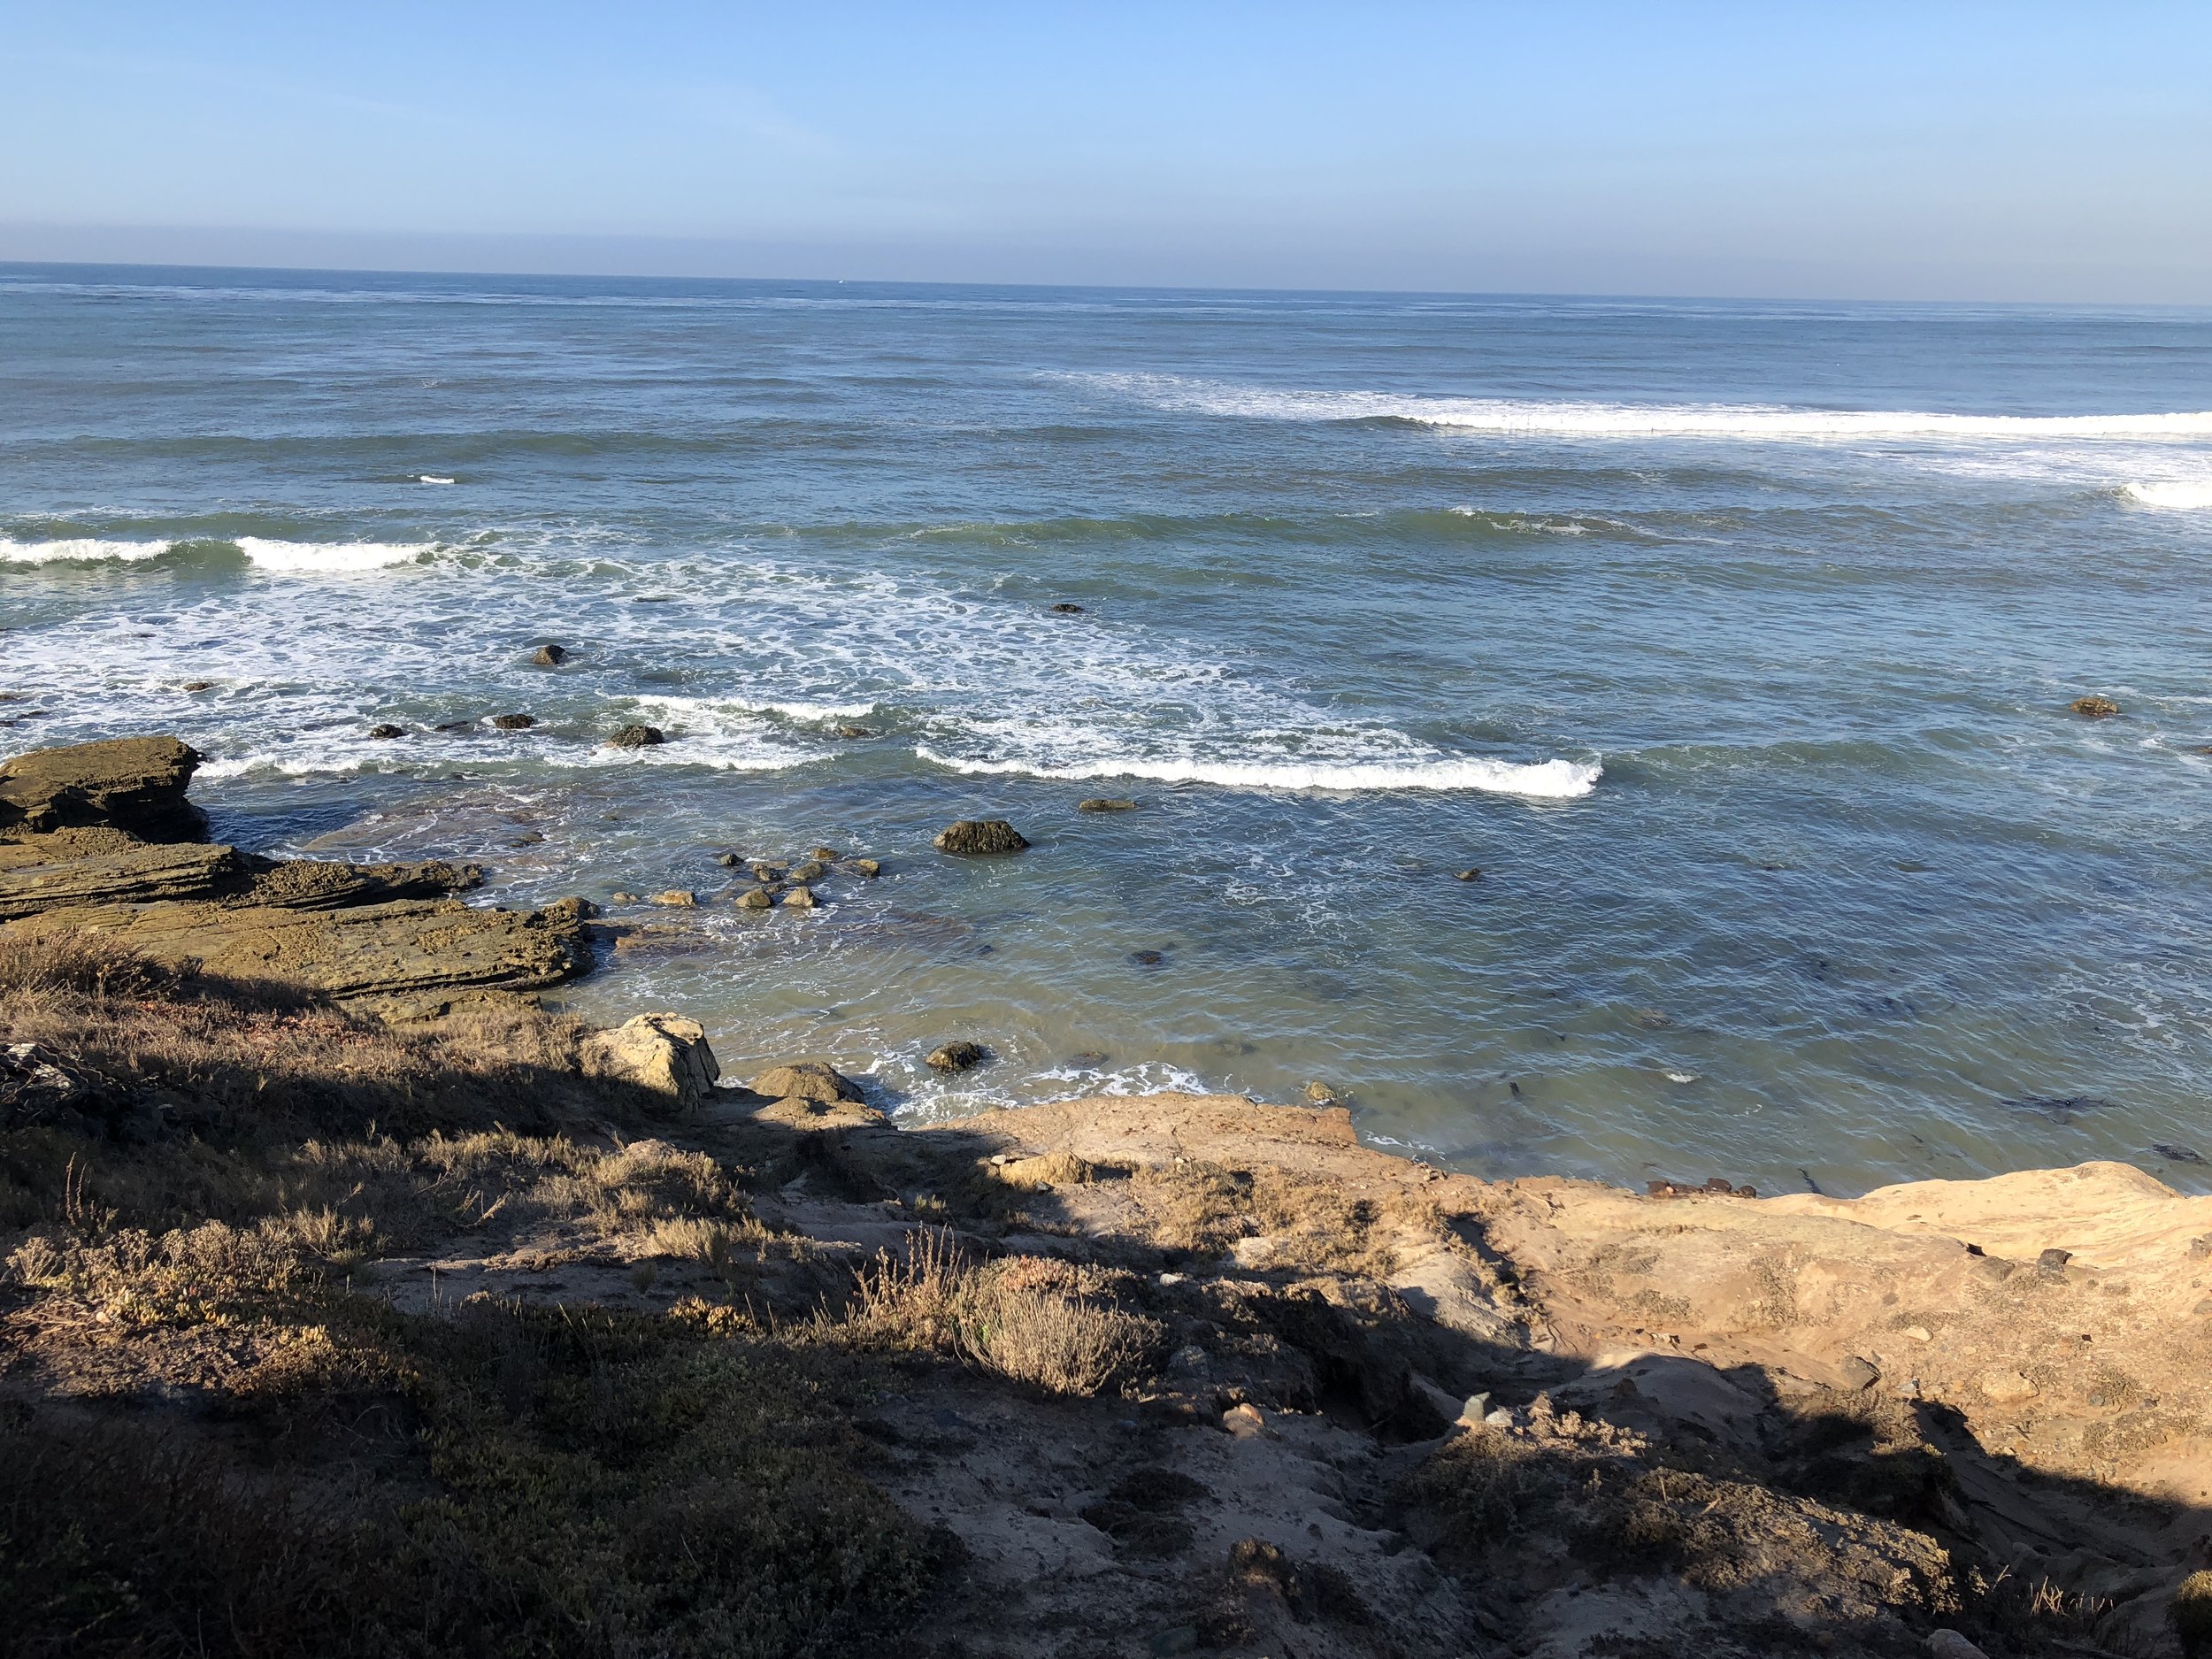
1937	151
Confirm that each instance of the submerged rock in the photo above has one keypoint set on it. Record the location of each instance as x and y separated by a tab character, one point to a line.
807	1079
1065	609
550	656
514	722
2095	708
981	836
1105	804
800	898
665	1053
197	684
1469	874
636	737
854	731
813	870
868	867
962	1056
133	784
679	898
754	899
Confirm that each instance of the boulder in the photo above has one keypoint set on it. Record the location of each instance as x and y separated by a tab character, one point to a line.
869	867
825	855
813	870
514	722
981	836
677	898
754	899
808	1079
1105	804
1065	609
1469	874
664	1052
2095	708
957	1056
636	737
854	731
385	732
134	784
550	656
800	898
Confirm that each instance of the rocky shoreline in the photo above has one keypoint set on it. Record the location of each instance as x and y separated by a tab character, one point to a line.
1111	1377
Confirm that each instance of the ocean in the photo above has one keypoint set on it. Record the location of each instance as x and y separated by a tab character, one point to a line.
1732	643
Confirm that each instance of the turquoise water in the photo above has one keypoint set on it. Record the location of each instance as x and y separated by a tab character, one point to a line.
1731	642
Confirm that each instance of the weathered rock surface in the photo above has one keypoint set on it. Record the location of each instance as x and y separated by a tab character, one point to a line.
981	836
1105	804
550	656
961	1056
134	783
807	1079
100	839
664	1052
636	737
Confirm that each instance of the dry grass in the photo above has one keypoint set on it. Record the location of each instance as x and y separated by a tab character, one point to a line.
1048	1324
1310	1226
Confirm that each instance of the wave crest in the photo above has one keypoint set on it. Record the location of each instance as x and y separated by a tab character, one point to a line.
1552	780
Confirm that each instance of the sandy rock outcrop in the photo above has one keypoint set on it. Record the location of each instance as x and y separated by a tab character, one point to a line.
134	783
99	839
664	1052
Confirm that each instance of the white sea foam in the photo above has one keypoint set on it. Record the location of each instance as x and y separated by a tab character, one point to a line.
1548	779
2173	497
79	550
1753	422
269	555
431	478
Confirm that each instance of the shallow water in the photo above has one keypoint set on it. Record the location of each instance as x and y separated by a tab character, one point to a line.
1731	642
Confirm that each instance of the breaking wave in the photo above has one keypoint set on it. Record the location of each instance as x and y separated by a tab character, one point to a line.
1547	779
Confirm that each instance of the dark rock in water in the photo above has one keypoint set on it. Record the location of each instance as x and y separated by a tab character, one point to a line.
811	870
387	730
198	685
1089	1060
1064	609
1147	958
2177	1154
1320	1094
869	867
808	1079
957	1056
729	860
800	898
134	783
514	722
767	872
455	726
2060	1109
636	737
854	731
1649	1018
980	835
550	656
1103	803
2095	708
825	855
1469	874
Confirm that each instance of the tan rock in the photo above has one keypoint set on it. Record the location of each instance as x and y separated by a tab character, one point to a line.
136	784
2006	1387
800	898
664	1052
676	898
808	1079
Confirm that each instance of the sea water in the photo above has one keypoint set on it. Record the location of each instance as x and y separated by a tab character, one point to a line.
1732	643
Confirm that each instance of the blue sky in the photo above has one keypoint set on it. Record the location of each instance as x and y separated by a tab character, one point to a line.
2017	151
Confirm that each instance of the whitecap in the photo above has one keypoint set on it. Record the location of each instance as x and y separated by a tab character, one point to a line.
80	550
1527	418
1555	780
432	478
2173	497
269	555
